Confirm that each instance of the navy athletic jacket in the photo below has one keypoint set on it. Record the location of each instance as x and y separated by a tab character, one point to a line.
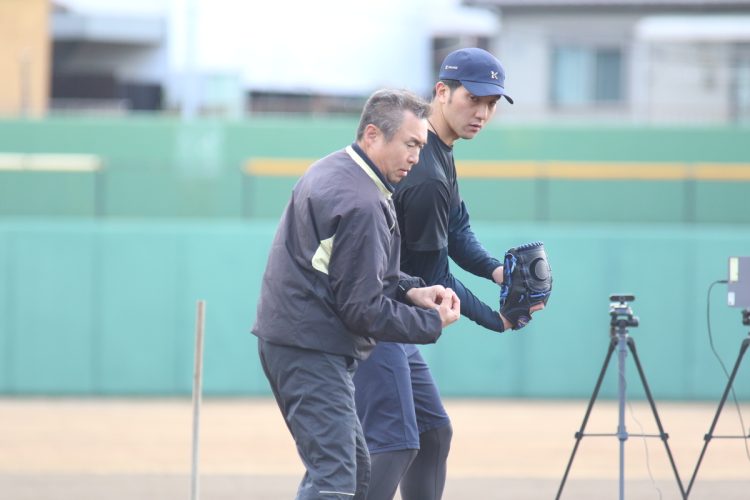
434	225
332	279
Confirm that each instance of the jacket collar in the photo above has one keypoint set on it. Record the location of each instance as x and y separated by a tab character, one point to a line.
373	172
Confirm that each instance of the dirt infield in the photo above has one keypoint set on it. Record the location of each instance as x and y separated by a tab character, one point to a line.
64	449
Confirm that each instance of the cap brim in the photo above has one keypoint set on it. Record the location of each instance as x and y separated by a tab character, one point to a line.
485	89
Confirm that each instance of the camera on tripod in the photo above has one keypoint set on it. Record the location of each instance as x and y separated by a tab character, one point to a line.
738	286
620	312
620	342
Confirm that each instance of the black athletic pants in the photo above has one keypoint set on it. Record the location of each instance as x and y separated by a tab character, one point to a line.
315	393
421	473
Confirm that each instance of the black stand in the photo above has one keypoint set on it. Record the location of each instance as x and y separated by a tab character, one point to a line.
710	435
621	318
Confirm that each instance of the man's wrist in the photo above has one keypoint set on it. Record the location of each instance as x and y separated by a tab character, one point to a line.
404	285
410	295
507	325
497	275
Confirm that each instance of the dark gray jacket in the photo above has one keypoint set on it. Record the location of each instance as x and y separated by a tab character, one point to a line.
332	276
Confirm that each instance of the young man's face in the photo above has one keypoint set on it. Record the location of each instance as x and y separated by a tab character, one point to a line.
396	157
466	114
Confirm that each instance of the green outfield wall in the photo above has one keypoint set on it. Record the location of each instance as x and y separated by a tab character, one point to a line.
108	308
153	167
112	229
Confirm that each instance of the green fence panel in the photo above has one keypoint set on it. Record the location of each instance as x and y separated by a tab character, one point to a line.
141	283
48	193
561	352
621	201
109	308
722	202
505	200
51	289
267	197
7	310
226	264
164	167
300	137
607	143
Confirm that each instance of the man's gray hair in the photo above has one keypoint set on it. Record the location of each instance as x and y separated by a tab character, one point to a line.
385	109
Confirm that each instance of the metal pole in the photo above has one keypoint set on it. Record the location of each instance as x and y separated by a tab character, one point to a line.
189	103
622	432
581	433
197	390
710	435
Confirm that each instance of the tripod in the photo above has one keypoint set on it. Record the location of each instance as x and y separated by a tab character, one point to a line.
621	318
710	435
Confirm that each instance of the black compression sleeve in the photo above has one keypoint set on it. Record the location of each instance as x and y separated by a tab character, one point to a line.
464	247
433	267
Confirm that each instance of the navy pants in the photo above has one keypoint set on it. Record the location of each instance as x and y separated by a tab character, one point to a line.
397	399
315	393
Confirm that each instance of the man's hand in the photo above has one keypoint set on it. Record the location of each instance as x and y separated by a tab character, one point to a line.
449	308
428	297
437	297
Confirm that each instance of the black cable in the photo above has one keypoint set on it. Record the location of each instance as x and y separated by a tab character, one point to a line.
723	367
645	447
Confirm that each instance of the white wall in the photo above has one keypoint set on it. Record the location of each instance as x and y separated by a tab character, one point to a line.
525	45
129	7
689	83
664	82
327	46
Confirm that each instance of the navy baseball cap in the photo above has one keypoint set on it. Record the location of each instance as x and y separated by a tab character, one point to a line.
477	70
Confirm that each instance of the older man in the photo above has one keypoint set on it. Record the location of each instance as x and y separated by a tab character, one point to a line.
332	288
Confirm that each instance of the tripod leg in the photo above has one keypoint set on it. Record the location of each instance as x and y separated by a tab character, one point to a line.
663	435
579	434
707	438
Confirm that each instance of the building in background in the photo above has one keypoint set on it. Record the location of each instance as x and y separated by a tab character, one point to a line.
108	61
24	57
634	61
227	58
656	61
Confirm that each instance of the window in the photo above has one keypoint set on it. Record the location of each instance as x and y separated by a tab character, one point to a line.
586	76
741	84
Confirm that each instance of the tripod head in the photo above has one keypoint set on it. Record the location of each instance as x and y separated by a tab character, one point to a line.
746	317
621	314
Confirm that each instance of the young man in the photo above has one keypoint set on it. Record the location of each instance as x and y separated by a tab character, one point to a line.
406	427
332	287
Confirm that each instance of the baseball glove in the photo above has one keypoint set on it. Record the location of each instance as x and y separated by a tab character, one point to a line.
527	281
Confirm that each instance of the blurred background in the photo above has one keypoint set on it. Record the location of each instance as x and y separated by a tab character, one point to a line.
148	147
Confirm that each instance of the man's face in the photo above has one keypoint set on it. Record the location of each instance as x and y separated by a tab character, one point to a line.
396	157
466	113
